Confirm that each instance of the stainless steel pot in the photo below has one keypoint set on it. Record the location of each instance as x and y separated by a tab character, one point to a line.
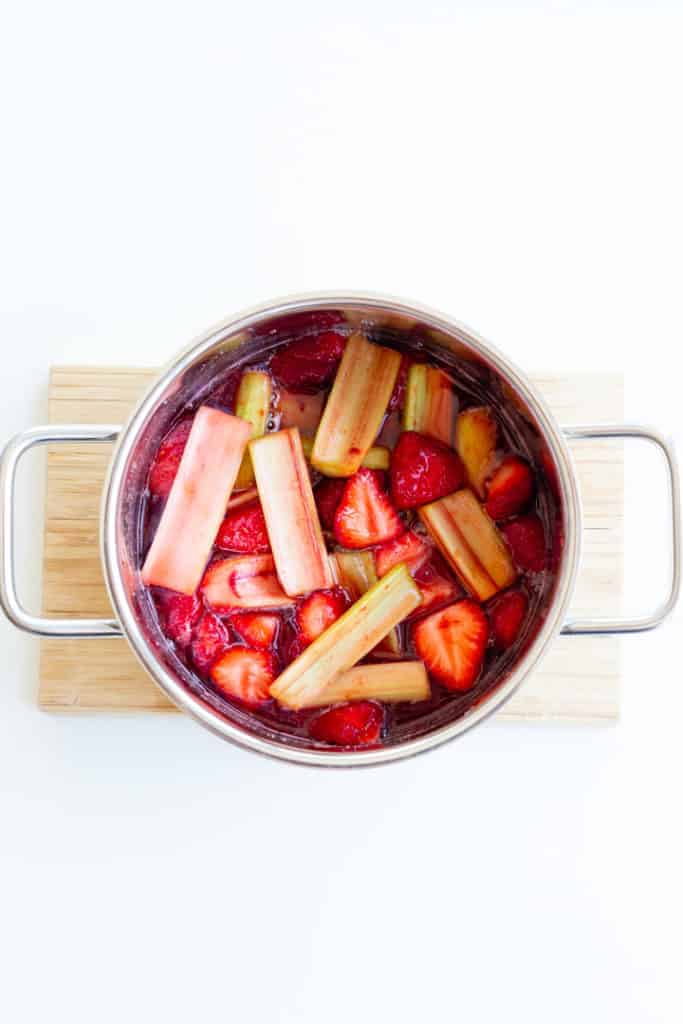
239	340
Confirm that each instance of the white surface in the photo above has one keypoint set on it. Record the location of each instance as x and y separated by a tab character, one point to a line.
164	165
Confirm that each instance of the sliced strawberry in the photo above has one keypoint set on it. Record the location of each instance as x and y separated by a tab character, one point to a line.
179	615
167	459
243	581
318	611
452	643
245	674
327	497
506	614
410	547
510	488
308	362
365	515
398	394
210	640
526	539
244	530
437	589
422	470
258	629
349	725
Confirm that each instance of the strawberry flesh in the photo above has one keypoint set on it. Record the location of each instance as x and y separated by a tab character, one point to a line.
349	725
423	470
526	539
165	466
210	641
510	488
179	614
244	530
258	629
244	674
308	363
365	515
452	643
437	589
506	615
410	548
327	495
317	612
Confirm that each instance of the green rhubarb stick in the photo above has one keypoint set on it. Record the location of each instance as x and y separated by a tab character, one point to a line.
378	457
252	405
357	572
430	403
393	682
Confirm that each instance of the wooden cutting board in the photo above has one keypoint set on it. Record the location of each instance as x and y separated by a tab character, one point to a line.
578	679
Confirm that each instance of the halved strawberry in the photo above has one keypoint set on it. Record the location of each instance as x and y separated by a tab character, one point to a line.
349	725
244	530
318	611
245	674
327	497
258	629
308	362
506	614
452	643
526	539
410	547
179	614
210	640
365	515
510	488
167	459
422	470
437	589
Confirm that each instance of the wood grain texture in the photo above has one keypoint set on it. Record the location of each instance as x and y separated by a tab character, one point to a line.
578	679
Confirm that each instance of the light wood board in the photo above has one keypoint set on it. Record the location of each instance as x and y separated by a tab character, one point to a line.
578	679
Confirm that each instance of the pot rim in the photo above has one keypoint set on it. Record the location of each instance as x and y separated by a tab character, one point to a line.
213	720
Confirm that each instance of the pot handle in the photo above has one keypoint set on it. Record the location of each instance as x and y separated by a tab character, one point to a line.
9	599
637	625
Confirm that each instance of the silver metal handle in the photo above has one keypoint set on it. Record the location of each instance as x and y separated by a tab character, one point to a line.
9	599
638	625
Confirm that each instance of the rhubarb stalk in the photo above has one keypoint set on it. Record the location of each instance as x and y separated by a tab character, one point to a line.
252	405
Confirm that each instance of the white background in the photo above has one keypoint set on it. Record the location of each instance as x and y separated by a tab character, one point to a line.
164	165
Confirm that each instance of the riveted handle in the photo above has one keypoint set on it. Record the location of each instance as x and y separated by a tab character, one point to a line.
9	599
638	625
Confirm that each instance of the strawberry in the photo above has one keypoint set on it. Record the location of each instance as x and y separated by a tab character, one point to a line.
410	548
210	640
308	363
452	643
437	589
244	530
365	514
167	459
245	674
318	611
179	614
349	725
327	497
258	629
422	470
510	488
506	614
526	539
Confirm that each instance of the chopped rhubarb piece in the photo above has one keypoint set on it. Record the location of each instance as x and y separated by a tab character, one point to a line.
167	461
355	407
430	404
470	543
526	539
247	581
410	548
506	614
423	470
350	725
308	363
317	612
253	405
197	502
356	572
393	682
179	613
452	643
327	497
210	641
300	410
258	629
242	498
510	488
244	530
476	435
377	457
291	516
244	674
365	514
348	639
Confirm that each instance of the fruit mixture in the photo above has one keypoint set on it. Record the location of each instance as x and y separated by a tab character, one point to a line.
351	539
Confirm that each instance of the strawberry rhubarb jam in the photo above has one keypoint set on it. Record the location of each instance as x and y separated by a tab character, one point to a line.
350	540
